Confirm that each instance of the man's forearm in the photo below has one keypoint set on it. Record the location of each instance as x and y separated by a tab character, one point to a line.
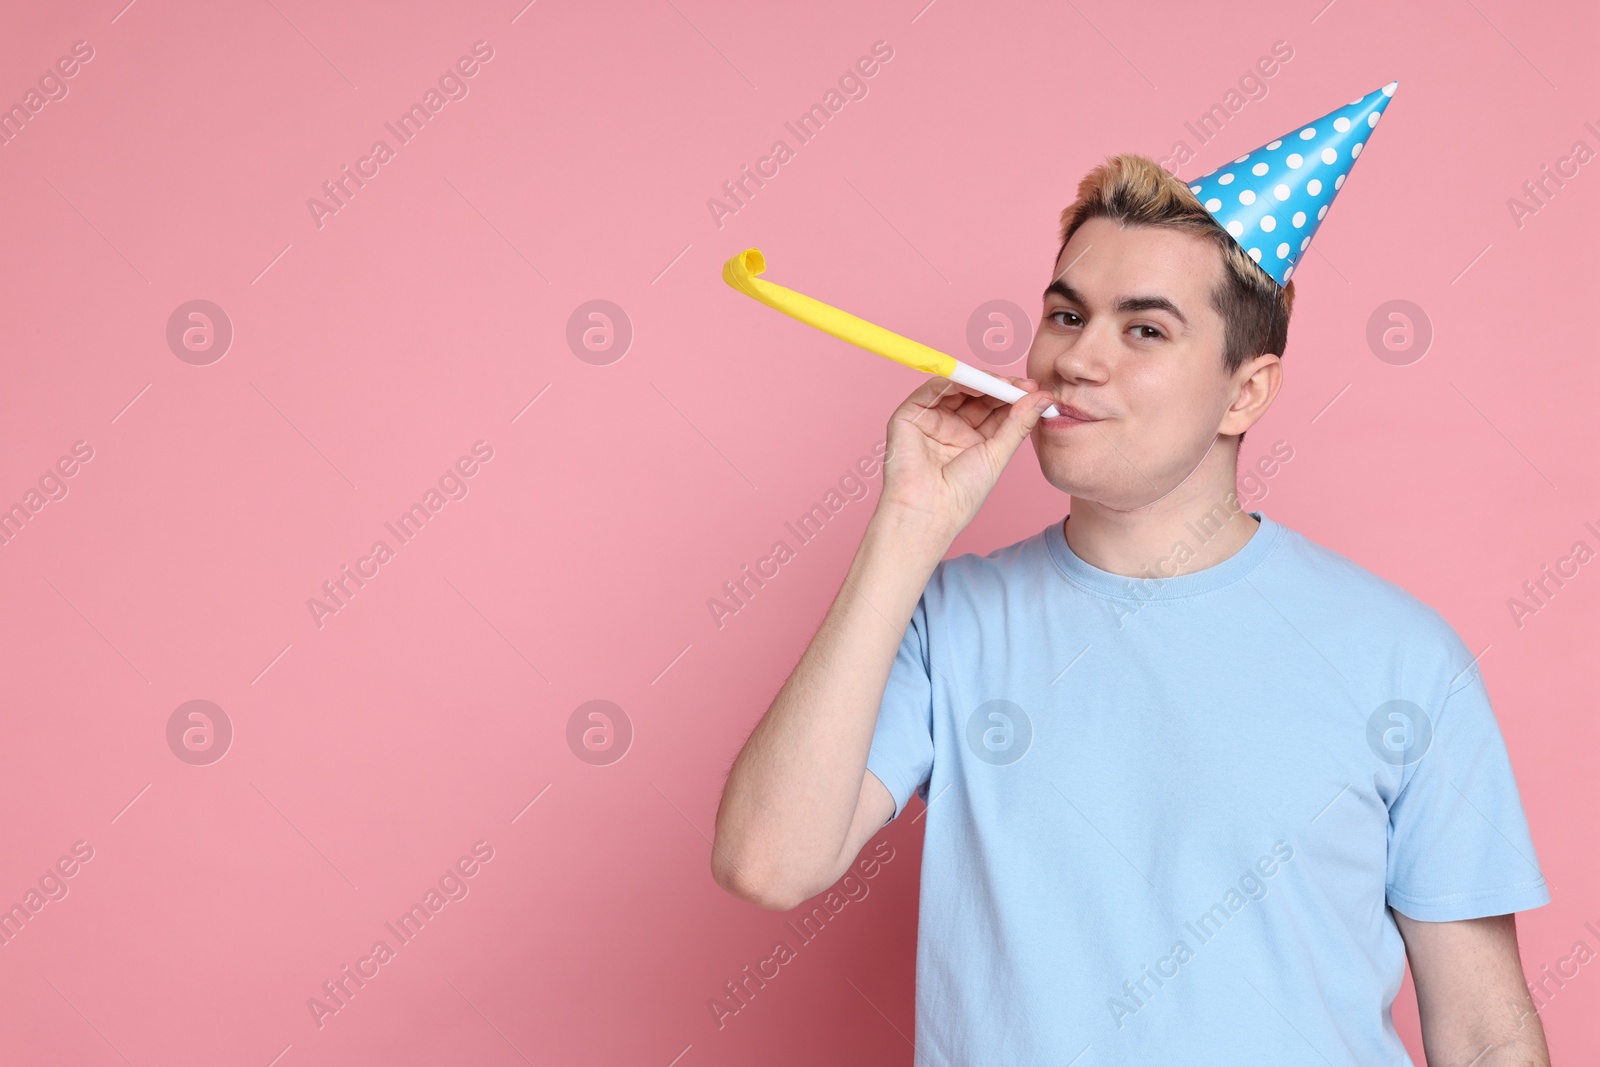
791	795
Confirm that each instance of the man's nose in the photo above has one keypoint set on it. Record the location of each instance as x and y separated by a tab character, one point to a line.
1091	355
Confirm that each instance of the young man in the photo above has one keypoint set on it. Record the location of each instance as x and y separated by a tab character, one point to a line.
1196	786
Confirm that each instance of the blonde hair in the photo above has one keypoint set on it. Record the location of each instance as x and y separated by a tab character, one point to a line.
1135	190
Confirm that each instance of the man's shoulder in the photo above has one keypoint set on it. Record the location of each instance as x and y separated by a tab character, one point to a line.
1356	597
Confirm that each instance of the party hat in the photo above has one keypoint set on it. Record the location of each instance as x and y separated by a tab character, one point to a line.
1273	199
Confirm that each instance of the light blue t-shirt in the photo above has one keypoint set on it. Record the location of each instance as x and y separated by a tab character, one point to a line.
1167	817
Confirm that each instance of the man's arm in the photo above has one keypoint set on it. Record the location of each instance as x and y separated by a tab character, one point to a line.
799	802
1471	993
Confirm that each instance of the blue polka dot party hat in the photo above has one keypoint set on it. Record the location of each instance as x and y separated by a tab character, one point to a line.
1273	199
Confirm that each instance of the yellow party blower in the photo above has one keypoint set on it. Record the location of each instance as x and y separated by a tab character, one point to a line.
740	272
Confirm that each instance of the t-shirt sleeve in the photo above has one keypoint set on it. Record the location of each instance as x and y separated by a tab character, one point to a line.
1459	846
902	741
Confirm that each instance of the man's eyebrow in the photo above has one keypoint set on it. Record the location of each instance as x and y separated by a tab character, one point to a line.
1126	303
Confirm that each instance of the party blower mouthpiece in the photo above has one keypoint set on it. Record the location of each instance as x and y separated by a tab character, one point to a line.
740	272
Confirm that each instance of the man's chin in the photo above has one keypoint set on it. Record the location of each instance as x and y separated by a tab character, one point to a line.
1078	479
1108	492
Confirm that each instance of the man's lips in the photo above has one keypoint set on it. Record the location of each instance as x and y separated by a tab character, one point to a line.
1071	415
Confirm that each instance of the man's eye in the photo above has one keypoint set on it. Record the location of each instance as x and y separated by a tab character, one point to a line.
1064	311
1155	332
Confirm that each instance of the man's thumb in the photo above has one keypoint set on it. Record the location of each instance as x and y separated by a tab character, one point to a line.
1033	412
1020	423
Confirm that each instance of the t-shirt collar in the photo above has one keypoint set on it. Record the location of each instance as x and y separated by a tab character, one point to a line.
1105	583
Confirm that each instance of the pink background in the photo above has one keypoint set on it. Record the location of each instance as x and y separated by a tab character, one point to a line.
369	354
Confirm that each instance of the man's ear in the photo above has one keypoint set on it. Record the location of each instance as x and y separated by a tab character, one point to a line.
1255	384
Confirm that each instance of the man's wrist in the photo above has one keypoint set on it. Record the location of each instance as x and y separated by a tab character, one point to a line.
913	533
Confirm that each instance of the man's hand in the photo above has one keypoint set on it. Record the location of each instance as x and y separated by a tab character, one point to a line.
1471	993
948	445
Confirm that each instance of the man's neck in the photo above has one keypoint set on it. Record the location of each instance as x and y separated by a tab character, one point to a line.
1197	525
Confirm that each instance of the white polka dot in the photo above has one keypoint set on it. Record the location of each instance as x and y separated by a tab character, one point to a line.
1313	186
1273	145
1304	243
1299	219
1242	158
1225	179
1329	155
1259	169
1341	124
1321	211
1286	272
1308	133
1338	181
1269	223
1194	188
1372	120
1283	251
1213	205
1388	90
1255	254
1236	228
1355	149
1247	196
1293	159
1281	192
